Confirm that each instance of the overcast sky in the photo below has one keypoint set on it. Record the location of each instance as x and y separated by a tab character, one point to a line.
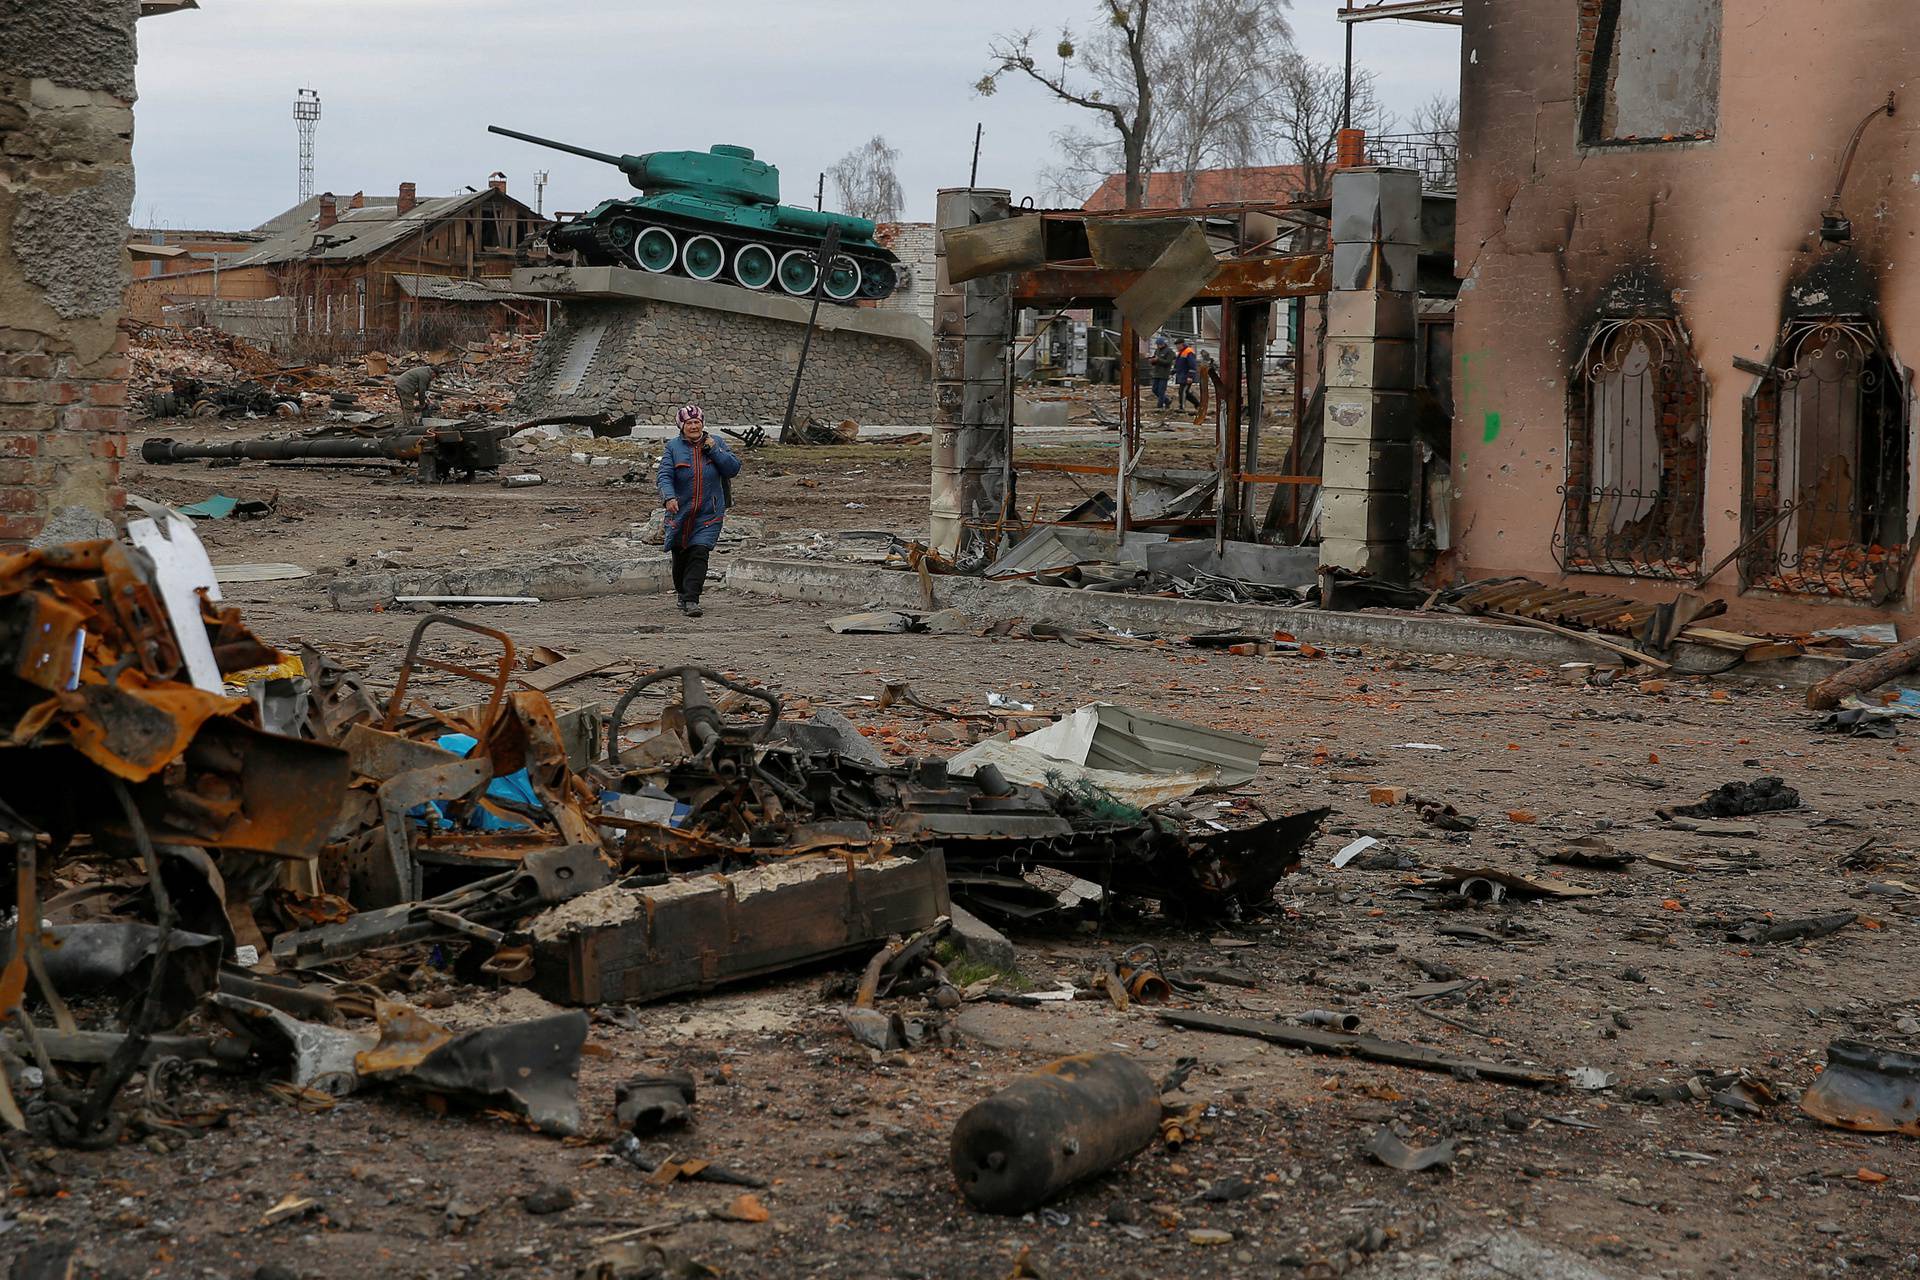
409	86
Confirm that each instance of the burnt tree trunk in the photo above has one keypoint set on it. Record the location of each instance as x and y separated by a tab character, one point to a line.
1865	675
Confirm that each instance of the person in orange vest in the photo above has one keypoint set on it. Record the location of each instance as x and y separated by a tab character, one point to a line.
1186	368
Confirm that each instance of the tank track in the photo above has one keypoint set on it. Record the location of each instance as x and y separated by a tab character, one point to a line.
599	245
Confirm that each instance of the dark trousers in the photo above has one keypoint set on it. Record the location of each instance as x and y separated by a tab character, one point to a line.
1186	390
1160	392
690	572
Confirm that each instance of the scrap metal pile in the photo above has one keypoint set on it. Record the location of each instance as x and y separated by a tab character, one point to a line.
228	858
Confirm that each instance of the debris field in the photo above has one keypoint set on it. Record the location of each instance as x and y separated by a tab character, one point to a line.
1552	967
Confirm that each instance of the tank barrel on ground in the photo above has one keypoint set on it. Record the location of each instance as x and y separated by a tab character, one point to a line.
401	448
602	156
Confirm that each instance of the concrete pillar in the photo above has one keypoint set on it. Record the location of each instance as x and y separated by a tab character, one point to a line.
972	325
1368	471
66	189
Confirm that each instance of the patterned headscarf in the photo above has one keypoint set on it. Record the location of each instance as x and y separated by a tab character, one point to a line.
691	413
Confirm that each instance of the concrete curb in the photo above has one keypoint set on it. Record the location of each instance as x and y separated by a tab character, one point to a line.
548	581
834	583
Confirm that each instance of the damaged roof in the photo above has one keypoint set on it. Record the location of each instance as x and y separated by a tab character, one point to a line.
1274	183
304	213
358	233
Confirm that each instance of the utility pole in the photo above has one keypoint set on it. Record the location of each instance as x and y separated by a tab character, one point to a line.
824	260
973	174
306	117
820	195
540	192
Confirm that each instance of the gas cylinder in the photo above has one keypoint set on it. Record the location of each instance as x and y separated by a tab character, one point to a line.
1072	1119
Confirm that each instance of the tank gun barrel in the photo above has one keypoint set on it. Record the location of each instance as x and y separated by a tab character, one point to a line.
619	162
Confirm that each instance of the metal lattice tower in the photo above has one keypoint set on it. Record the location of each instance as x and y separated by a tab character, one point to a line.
540	192
306	116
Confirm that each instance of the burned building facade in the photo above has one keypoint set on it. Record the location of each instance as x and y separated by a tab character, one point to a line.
1688	304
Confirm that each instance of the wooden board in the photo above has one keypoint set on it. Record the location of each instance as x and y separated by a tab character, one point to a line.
551	677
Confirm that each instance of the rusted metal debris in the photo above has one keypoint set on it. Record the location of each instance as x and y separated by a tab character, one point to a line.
1372	1048
289	819
1867	1088
1071	1120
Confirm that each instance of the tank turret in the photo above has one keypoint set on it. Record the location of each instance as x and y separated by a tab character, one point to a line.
716	215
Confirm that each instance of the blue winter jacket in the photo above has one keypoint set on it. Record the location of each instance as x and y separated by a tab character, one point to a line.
1185	367
697	482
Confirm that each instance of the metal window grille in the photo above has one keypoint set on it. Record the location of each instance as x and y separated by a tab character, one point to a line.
1435	155
1632	504
1825	510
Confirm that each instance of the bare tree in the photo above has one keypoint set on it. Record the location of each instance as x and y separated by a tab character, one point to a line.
1216	70
1114	78
866	182
1309	112
1439	115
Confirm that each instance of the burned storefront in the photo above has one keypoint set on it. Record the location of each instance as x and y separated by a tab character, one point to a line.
1680	326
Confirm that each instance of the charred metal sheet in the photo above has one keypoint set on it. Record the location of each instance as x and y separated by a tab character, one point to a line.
529	1068
1132	244
1173	280
244	788
1072	1119
1867	1088
693	934
989	248
116	958
380	756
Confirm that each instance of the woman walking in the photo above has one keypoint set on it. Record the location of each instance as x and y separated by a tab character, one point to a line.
694	472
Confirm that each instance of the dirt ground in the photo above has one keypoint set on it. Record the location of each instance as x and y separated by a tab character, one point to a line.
1639	981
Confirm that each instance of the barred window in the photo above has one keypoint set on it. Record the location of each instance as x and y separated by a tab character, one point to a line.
1636	438
1826	470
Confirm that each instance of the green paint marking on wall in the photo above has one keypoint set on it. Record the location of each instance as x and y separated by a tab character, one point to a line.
1492	432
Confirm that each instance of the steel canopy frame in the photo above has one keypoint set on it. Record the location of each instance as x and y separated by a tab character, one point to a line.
1242	283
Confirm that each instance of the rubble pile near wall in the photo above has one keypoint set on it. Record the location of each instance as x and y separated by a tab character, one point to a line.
477	378
158	355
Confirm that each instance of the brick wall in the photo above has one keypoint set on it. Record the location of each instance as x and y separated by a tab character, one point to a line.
66	187
913	243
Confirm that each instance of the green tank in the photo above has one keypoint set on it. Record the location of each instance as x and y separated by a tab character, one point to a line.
716	215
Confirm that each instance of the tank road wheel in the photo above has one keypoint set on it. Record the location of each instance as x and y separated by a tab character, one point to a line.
656	250
879	280
702	257
843	278
753	265
798	271
620	235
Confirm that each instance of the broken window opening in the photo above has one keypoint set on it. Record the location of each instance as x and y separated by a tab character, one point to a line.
1826	471
1649	71
1632	504
489	229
